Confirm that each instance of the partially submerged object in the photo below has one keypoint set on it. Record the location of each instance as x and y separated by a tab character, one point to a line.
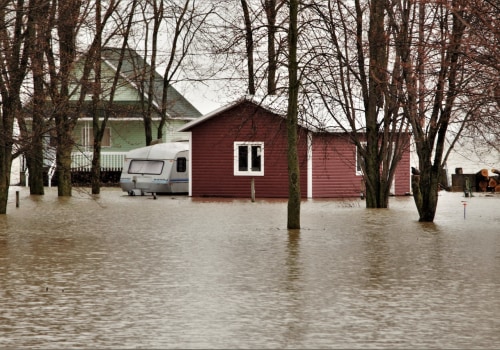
480	181
160	168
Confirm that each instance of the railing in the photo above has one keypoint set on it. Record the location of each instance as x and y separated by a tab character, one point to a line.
51	172
110	161
82	161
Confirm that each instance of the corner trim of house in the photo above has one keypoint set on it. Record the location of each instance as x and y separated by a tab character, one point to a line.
309	165
190	164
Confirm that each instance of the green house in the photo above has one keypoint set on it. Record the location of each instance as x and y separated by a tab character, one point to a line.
125	126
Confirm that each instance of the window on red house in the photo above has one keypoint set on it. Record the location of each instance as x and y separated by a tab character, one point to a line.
249	158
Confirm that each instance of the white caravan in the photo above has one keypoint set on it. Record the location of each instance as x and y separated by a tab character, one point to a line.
160	168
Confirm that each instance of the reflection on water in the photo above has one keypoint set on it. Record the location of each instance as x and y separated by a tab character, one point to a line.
177	272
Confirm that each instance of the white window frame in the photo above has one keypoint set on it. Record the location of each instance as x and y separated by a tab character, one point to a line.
249	172
88	136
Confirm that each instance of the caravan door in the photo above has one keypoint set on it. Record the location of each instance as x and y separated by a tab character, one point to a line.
179	175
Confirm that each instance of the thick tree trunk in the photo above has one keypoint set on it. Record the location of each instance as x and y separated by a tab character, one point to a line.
376	188
292	116
95	178
377	192
425	192
96	170
6	147
5	167
35	165
372	175
16	28
63	161
65	117
4	196
35	154
148	125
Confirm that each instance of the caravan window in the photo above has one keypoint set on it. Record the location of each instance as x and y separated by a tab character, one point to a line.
181	164
151	167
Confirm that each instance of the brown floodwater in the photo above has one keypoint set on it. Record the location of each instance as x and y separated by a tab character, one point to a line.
180	272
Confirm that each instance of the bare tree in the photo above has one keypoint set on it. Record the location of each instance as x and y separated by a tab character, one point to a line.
350	83
68	90
431	99
99	122
262	28
384	68
171	30
100	109
65	17
36	122
34	153
187	23
483	96
15	35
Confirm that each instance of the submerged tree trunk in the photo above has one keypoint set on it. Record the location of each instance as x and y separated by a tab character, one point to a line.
63	163
95	178
6	129
96	168
35	153
377	194
98	109
292	119
425	192
6	163
65	118
430	144
35	164
15	33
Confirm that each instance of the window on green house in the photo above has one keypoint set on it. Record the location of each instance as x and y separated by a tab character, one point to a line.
88	137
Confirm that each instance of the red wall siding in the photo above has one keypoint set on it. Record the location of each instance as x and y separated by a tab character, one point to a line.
334	167
403	176
213	157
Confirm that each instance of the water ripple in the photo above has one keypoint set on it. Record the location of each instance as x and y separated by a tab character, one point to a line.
131	272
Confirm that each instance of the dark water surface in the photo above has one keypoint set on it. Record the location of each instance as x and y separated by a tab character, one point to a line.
178	272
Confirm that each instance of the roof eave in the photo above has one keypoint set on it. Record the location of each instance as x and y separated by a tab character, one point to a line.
202	119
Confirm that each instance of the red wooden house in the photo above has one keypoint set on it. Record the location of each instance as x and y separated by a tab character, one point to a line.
245	140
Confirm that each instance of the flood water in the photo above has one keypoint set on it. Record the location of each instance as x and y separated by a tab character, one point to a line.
180	272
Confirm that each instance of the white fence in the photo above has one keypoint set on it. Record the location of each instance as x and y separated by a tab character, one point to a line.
82	161
110	161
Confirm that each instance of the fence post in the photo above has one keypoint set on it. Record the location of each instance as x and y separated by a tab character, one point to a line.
252	189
